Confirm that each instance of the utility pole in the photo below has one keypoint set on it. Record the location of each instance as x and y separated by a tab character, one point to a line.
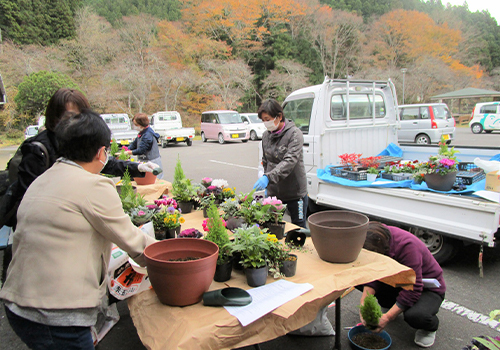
404	70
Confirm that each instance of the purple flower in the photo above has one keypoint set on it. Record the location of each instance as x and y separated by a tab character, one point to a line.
152	206
171	210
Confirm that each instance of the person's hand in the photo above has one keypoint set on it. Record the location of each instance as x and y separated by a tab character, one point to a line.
261	183
382	323
147	167
129	152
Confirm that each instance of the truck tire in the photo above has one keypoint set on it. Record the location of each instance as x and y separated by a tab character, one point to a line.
189	142
164	144
442	248
203	137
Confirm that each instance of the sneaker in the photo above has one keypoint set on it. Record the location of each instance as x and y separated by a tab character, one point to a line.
425	339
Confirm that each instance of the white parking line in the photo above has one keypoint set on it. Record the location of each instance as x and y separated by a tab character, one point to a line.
236	165
473	316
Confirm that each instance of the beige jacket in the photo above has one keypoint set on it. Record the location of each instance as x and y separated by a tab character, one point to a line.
67	221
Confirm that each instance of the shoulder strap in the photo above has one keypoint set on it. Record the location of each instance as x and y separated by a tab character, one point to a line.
44	152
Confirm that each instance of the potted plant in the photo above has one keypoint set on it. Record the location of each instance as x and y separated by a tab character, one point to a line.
231	208
252	243
128	196
280	261
370	311
274	209
217	233
190	233
441	169
372	174
141	215
167	219
205	201
182	190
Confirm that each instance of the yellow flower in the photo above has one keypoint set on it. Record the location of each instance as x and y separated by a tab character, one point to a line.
181	220
165	220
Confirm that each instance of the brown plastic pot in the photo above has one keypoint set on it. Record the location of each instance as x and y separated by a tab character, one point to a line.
440	182
181	283
338	235
148	179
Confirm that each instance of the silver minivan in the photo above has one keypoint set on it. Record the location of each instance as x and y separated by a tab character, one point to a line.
425	123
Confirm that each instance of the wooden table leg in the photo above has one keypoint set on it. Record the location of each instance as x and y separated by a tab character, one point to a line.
338	326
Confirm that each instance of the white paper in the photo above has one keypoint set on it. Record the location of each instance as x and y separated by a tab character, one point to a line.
267	298
489	195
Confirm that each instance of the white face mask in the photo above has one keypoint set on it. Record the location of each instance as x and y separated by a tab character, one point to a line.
107	158
270	125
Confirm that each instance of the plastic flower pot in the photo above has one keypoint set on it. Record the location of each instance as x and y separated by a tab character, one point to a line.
148	179
440	182
338	235
181	283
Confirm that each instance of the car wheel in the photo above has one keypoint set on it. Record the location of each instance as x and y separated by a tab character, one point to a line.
476	128
203	138
253	135
442	248
422	139
244	141
488	131
221	139
189	142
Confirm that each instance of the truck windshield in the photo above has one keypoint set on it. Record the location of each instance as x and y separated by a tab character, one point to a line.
229	118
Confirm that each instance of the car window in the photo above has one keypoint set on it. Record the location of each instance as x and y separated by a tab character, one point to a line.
441	112
424	112
411	113
254	118
488	109
229	118
300	112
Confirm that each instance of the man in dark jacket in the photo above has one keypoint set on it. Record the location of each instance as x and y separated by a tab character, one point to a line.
282	159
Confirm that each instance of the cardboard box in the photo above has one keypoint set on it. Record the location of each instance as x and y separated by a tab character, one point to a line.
493	181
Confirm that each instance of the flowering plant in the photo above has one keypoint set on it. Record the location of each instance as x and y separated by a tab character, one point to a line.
228	192
442	163
350	160
401	167
167	216
141	215
221	183
190	233
215	191
206	181
275	209
276	255
370	162
231	207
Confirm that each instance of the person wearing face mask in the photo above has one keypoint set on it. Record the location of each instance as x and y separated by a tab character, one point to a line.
67	221
145	146
282	159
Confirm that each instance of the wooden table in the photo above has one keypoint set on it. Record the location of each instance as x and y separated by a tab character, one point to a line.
199	327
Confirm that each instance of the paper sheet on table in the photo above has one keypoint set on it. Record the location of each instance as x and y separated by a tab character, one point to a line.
489	195
267	298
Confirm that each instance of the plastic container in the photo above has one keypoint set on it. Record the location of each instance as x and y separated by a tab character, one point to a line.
148	179
361	329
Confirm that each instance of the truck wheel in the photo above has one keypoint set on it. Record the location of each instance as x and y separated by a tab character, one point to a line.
189	142
244	141
442	248
253	135
476	128
422	139
203	137
164	144
221	139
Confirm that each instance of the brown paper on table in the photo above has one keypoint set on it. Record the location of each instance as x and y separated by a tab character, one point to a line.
200	327
154	191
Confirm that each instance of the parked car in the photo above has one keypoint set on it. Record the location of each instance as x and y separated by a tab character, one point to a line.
223	126
31	131
485	117
255	125
426	123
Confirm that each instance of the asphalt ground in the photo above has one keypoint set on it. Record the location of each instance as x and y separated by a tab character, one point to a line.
469	296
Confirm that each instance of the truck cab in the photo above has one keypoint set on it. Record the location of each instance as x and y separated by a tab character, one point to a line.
120	127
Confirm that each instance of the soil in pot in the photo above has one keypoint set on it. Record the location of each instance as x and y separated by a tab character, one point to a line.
370	341
338	235
223	272
181	283
188	258
289	266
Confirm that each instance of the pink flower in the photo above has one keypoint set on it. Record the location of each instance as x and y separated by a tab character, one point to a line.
141	213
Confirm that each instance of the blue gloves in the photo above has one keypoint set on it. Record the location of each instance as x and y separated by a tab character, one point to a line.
261	183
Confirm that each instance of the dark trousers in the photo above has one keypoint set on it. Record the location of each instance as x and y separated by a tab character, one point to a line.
39	336
422	315
297	210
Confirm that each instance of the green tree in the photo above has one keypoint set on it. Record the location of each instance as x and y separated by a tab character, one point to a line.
36	89
37	21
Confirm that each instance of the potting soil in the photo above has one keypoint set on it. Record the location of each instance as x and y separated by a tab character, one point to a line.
370	341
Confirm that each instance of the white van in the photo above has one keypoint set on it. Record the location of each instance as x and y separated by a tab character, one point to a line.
485	117
255	125
223	126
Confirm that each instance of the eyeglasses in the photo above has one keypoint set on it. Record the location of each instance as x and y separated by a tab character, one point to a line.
107	152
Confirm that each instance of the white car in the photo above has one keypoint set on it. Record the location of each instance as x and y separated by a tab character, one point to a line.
255	125
485	117
31	131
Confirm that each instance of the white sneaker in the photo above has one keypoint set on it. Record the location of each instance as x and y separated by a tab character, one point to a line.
425	339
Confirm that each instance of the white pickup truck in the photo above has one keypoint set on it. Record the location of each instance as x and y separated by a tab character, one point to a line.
353	116
120	126
169	125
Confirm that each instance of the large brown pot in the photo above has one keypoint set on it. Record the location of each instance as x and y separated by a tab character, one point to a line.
440	182
181	283
338	235
148	179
